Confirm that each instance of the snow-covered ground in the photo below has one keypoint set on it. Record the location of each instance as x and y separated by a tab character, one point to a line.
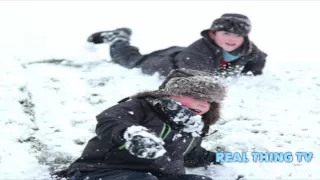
48	110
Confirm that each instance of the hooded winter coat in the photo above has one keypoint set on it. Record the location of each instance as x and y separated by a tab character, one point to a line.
204	55
105	151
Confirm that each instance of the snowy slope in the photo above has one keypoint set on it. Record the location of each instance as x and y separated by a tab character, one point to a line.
16	124
48	110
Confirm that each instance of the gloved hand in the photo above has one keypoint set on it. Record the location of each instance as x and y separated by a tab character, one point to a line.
142	143
214	157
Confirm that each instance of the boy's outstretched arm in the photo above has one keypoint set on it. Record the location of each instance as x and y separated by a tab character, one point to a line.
119	125
115	120
257	64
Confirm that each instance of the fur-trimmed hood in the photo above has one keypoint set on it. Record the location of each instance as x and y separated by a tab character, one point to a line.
192	83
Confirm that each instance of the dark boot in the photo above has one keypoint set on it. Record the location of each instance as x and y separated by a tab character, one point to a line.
110	37
121	51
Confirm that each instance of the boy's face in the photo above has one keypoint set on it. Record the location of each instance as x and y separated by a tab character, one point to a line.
197	106
227	41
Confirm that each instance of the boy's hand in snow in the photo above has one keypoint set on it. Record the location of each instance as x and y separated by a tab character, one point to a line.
142	143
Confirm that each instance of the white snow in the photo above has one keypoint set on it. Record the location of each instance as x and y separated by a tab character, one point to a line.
278	111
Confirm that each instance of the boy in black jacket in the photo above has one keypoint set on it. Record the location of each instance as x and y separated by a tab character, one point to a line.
225	49
154	135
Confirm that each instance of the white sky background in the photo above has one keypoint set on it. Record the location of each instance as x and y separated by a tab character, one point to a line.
286	30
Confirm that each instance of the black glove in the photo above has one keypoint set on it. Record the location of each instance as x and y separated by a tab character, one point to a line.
215	162
142	143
